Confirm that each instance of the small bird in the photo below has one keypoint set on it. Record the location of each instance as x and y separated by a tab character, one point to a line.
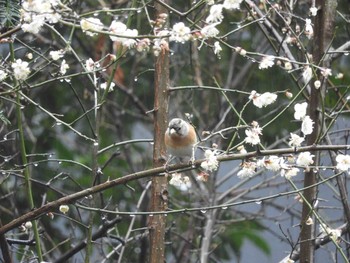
180	139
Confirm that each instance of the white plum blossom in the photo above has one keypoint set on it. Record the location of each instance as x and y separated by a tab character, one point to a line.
262	100
20	69
305	159
309	221
326	72
36	12
158	44
217	48
143	45
289	172
117	28
343	162
210	31
3	75
215	14
273	163
120	29
300	110
180	33
307	125
241	51
289	95
266	62
317	84
91	65
91	24
339	76
295	140
28	225
104	86
307	74
309	31
64	67
287	260
34	26
211	162
253	134
288	66
182	183
232	4
313	11
248	170
64	209
56	54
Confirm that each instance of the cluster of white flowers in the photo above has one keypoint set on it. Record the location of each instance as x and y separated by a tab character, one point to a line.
64	67
253	134
211	162
267	62
313	11
300	114
217	48
215	12
326	72
283	165
3	75
209	31
121	34
262	100
104	86
248	170
180	33
125	36
56	54
305	159
20	69
36	12
272	163
182	183
295	140
287	260
91	65
343	162
309	31
91	24
307	74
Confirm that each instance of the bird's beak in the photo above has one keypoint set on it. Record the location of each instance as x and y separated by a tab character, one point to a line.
172	131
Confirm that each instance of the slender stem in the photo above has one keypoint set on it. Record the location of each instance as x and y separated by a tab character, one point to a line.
25	161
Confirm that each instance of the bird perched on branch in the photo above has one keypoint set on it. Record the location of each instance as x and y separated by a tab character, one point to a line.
180	140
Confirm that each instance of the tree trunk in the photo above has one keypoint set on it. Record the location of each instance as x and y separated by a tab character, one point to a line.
159	193
323	33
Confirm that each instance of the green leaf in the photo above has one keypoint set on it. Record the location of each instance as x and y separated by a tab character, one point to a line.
10	14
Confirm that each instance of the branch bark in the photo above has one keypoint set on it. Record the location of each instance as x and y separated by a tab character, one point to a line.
323	30
51	206
159	195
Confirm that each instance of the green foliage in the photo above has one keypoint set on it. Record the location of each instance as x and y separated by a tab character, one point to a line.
235	235
9	13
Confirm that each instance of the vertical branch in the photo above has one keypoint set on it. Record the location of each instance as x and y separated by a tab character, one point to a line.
323	33
23	151
208	233
159	183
